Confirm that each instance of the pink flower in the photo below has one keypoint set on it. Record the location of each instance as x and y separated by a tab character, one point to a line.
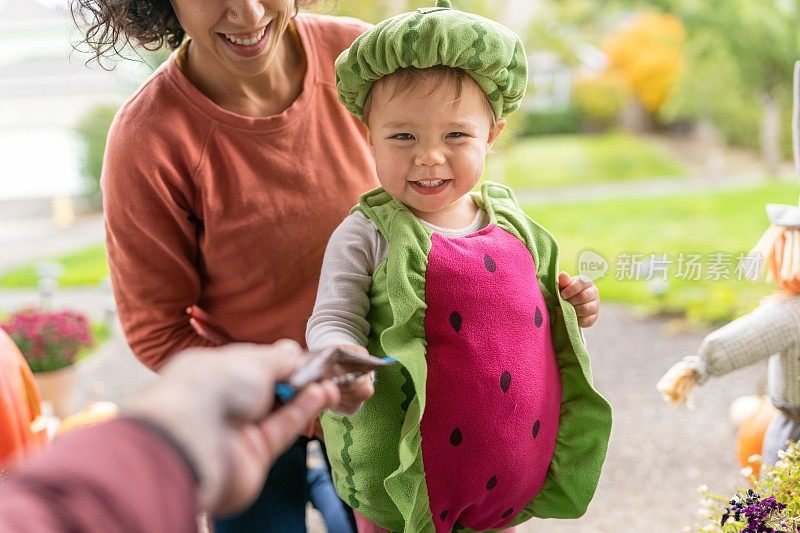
49	340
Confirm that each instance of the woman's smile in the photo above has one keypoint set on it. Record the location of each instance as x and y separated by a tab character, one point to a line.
247	44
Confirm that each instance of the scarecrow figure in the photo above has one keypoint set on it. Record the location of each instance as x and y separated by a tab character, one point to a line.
771	331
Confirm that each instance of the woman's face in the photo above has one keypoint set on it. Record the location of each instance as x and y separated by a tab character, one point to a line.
238	37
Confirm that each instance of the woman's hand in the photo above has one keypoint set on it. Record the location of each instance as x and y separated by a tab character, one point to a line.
583	295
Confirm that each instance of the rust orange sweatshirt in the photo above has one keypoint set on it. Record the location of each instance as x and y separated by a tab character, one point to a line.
232	213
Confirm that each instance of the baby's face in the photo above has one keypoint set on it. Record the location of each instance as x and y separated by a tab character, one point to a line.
430	151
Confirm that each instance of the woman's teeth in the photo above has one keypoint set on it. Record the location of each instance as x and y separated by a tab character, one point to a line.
429	183
246	42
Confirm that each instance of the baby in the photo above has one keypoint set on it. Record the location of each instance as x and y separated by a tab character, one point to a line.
490	418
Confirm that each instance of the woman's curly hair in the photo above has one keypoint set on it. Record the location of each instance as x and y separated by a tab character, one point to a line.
111	25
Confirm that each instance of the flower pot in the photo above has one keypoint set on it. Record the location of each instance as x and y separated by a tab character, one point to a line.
57	387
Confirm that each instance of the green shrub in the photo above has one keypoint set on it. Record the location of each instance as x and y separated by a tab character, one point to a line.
534	123
93	130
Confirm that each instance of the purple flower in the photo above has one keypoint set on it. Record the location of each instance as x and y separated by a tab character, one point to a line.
756	510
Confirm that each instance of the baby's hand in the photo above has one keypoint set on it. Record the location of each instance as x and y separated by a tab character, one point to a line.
583	295
355	393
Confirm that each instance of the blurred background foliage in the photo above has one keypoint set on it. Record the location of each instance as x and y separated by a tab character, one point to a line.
615	87
644	55
723	63
92	130
635	65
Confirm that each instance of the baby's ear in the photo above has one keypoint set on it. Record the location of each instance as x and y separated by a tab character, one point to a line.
495	130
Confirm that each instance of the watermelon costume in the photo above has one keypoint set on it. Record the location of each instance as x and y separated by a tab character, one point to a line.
491	417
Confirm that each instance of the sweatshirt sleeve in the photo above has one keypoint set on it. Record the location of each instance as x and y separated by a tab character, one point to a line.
340	311
152	241
115	477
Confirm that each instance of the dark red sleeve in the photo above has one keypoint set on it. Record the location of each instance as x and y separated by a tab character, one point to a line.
118	476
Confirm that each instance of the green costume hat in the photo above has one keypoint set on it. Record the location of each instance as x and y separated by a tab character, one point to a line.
487	51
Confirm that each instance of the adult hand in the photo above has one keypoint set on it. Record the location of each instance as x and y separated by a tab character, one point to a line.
583	295
217	404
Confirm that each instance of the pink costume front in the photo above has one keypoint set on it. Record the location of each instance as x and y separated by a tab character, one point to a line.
494	388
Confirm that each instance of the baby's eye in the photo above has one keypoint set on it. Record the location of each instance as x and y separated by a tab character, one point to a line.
402	137
456	135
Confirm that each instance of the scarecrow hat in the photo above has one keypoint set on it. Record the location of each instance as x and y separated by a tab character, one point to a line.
487	51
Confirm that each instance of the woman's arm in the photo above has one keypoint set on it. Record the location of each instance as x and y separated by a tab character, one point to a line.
152	241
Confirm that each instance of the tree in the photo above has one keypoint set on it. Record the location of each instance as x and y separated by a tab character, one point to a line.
377	10
646	54
564	27
739	50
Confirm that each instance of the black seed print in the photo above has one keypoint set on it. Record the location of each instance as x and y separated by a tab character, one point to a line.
456	437
443	515
507	513
491	266
492	483
505	381
536	427
455	321
538	318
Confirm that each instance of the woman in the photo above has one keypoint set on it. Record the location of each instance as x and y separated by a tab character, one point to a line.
224	176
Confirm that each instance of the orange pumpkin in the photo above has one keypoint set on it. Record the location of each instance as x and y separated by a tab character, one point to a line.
19	404
750	438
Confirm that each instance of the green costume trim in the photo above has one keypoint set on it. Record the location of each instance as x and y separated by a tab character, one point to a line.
487	51
387	429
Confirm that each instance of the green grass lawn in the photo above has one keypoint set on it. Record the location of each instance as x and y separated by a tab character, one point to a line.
81	268
728	222
569	160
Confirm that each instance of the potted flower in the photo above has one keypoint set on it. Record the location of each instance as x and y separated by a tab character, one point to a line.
50	342
772	505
